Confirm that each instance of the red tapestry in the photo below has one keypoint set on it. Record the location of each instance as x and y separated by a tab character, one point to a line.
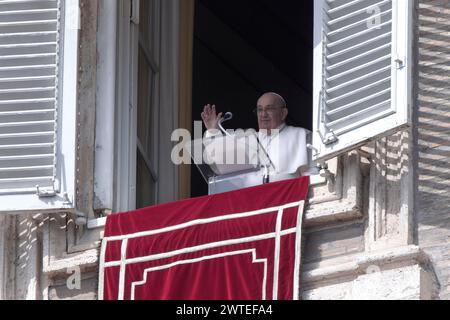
239	245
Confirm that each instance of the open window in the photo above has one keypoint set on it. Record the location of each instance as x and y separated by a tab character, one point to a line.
38	77
245	48
362	72
343	66
147	104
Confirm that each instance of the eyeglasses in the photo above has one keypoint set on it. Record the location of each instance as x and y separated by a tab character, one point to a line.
270	110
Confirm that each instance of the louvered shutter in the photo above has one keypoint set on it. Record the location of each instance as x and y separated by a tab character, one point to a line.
31	122
361	72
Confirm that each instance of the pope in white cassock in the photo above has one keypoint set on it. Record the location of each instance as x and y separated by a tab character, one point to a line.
289	154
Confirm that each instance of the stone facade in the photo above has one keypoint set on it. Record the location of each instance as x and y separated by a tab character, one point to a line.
432	139
378	227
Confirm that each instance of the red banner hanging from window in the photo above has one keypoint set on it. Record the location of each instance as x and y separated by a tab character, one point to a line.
239	245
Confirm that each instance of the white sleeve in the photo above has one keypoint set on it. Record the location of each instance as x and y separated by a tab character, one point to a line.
299	157
212	133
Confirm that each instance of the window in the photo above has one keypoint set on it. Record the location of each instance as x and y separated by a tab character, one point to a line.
362	72
245	48
38	73
147	103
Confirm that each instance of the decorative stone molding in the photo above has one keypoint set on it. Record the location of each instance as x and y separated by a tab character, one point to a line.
400	273
339	201
62	251
383	259
390	194
86	260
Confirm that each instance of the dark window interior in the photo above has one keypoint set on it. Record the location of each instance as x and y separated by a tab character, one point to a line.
243	48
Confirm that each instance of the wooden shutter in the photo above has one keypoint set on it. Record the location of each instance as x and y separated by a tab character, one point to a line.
31	85
29	33
361	84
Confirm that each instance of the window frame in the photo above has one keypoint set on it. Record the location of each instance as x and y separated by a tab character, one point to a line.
125	154
147	150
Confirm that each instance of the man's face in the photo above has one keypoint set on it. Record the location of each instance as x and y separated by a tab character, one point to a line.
270	114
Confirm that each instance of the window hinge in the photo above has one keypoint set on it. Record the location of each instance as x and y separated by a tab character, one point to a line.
134	11
45	192
67	200
80	217
326	173
48	192
329	138
400	63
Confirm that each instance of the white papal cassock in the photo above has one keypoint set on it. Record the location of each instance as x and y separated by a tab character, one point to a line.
286	148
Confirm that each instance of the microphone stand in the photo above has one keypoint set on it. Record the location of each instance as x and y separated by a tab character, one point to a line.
229	116
266	175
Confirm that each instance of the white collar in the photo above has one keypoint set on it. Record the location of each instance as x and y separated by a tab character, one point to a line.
279	129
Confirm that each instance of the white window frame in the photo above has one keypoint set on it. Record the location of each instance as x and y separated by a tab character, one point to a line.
401	86
106	103
124	154
116	186
64	198
152	55
126	104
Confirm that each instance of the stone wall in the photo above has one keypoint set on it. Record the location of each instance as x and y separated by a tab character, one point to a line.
433	138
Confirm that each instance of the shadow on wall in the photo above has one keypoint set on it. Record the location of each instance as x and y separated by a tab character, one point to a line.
433	136
391	165
28	261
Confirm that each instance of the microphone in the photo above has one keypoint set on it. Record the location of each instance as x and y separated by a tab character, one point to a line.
226	117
